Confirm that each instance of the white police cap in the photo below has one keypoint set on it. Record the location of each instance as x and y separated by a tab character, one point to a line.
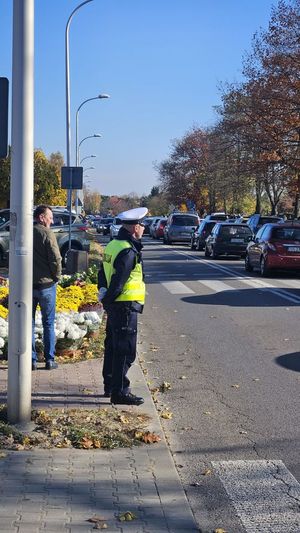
133	216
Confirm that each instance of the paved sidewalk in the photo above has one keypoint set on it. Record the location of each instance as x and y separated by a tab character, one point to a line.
58	490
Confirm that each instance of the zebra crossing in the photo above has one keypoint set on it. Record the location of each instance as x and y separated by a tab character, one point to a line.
264	494
232	284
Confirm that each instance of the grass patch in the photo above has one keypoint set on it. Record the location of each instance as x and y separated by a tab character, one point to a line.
105	428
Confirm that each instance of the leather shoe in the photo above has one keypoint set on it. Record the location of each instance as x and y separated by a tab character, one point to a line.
126	399
51	365
33	365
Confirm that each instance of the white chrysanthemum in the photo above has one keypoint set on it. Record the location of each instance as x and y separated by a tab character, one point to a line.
74	332
78	318
92	316
2	342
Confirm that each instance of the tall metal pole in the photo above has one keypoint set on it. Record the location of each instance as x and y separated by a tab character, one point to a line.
21	205
68	120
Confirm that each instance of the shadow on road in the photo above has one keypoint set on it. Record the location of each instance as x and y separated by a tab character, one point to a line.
291	361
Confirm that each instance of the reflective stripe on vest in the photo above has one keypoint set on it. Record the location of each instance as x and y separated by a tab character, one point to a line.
134	289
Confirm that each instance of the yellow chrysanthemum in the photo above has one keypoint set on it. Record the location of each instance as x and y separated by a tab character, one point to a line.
3	311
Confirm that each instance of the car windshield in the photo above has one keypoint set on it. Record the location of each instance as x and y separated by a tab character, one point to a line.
185	221
266	220
286	234
235	231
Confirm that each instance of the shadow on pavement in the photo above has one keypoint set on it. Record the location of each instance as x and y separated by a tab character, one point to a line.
291	361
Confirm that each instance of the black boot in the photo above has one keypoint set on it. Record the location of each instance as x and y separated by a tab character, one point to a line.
126	399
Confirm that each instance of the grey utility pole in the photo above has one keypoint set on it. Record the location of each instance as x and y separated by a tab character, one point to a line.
21	205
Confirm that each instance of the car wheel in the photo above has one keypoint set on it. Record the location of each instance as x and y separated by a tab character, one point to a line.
213	253
248	266
206	252
264	270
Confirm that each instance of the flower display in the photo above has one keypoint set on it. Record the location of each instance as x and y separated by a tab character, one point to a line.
77	312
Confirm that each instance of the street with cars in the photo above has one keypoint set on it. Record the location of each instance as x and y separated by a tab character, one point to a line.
226	342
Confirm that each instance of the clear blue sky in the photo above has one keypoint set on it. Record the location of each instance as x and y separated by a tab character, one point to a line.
160	60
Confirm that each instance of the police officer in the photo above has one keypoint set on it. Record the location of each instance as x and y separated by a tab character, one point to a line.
121	274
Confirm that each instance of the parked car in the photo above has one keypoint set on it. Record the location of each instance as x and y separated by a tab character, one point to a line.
200	234
179	227
114	228
159	228
228	239
275	246
217	216
80	233
256	221
103	225
153	226
147	222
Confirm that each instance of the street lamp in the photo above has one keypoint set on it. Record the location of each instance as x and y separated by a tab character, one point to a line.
67	74
88	137
87	157
68	121
99	97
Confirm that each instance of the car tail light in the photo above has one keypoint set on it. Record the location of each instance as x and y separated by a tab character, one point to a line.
83	228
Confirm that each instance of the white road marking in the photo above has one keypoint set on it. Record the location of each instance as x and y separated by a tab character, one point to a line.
176	287
260	283
265	494
215	285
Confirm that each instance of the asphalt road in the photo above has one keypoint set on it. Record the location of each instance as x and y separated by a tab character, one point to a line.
229	345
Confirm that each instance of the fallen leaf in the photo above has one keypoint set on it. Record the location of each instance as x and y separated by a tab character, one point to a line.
206	472
147	437
95	519
167	415
175	311
243	432
127	517
220	530
182	335
235	386
183	377
87	391
255	379
165	386
86	443
2	455
123	419
207	412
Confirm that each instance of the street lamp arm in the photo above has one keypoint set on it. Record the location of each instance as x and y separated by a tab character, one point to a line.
89	137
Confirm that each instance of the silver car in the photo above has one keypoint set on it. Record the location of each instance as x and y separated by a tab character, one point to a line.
180	227
81	235
114	228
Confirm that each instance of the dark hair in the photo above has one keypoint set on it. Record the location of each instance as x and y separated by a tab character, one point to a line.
41	210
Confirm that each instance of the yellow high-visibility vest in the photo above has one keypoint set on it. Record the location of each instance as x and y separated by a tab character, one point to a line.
134	289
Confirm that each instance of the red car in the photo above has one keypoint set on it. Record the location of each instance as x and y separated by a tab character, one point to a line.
275	246
159	229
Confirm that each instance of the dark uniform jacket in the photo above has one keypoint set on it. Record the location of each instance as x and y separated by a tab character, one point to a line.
123	265
46	257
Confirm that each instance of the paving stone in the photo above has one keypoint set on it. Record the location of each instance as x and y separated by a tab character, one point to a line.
54	491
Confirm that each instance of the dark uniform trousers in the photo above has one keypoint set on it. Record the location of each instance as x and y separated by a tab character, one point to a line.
119	347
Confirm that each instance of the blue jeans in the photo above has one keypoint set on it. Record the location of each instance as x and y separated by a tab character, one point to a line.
47	300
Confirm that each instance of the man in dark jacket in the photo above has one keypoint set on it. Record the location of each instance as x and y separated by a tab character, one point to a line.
46	273
121	274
